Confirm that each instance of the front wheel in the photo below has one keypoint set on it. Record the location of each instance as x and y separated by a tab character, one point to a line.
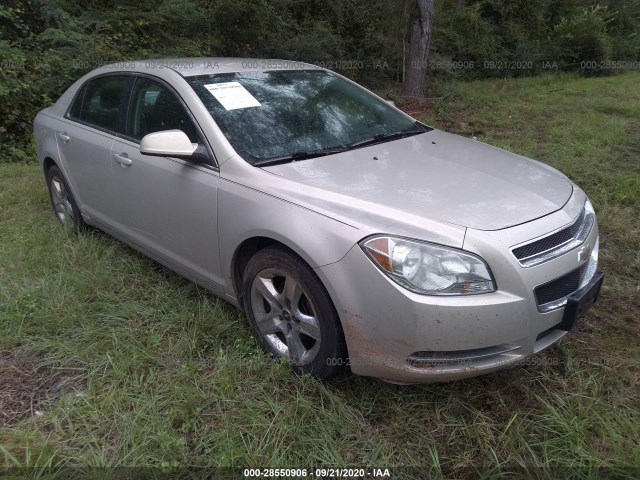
292	314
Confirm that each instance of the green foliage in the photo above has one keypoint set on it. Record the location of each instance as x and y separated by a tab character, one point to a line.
46	45
246	26
624	29
583	36
462	34
529	36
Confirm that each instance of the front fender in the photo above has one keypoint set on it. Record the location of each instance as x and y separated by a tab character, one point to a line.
245	213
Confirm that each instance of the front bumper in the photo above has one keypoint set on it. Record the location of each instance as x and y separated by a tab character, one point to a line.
401	336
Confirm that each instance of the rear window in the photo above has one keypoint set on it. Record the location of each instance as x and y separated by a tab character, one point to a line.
98	102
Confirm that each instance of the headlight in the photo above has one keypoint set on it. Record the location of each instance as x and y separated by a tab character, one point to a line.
427	268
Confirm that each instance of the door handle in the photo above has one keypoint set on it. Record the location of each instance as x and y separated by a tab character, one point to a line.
122	159
64	137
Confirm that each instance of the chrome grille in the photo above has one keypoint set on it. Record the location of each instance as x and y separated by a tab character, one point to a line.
556	243
552	241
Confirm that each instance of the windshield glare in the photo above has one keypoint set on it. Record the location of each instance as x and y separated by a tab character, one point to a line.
276	114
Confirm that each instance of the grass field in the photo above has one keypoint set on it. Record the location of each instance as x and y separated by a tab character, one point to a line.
107	359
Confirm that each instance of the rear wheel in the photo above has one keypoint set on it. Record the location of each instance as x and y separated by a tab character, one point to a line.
292	314
62	200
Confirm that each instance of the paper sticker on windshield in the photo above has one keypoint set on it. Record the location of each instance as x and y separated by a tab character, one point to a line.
232	95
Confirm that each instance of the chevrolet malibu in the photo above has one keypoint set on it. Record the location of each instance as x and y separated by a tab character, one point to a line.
351	234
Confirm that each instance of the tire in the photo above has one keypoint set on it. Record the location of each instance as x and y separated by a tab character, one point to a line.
292	314
63	202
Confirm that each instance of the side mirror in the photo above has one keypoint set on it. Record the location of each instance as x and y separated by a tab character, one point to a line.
168	143
391	102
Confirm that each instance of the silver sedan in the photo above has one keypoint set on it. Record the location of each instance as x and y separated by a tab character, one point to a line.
350	233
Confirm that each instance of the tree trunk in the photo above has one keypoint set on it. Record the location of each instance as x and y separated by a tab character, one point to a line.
419	48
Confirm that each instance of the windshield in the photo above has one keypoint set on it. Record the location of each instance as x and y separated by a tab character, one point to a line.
296	114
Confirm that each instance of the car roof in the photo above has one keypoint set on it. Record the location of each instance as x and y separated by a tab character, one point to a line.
193	66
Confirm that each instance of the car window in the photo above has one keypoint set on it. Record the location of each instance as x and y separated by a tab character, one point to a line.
76	106
154	108
101	102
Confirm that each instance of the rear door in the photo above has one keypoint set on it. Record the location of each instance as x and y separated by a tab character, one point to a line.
85	137
167	206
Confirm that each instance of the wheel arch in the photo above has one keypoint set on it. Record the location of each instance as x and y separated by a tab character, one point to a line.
47	163
247	249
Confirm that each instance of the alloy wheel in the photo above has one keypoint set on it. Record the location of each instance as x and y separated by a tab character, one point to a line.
61	204
285	316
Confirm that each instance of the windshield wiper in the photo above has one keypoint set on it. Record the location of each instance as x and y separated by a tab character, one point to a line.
300	155
385	137
305	155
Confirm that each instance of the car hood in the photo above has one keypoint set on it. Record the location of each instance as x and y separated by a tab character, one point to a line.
442	176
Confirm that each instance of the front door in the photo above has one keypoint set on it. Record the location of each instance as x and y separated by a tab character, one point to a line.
167	206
